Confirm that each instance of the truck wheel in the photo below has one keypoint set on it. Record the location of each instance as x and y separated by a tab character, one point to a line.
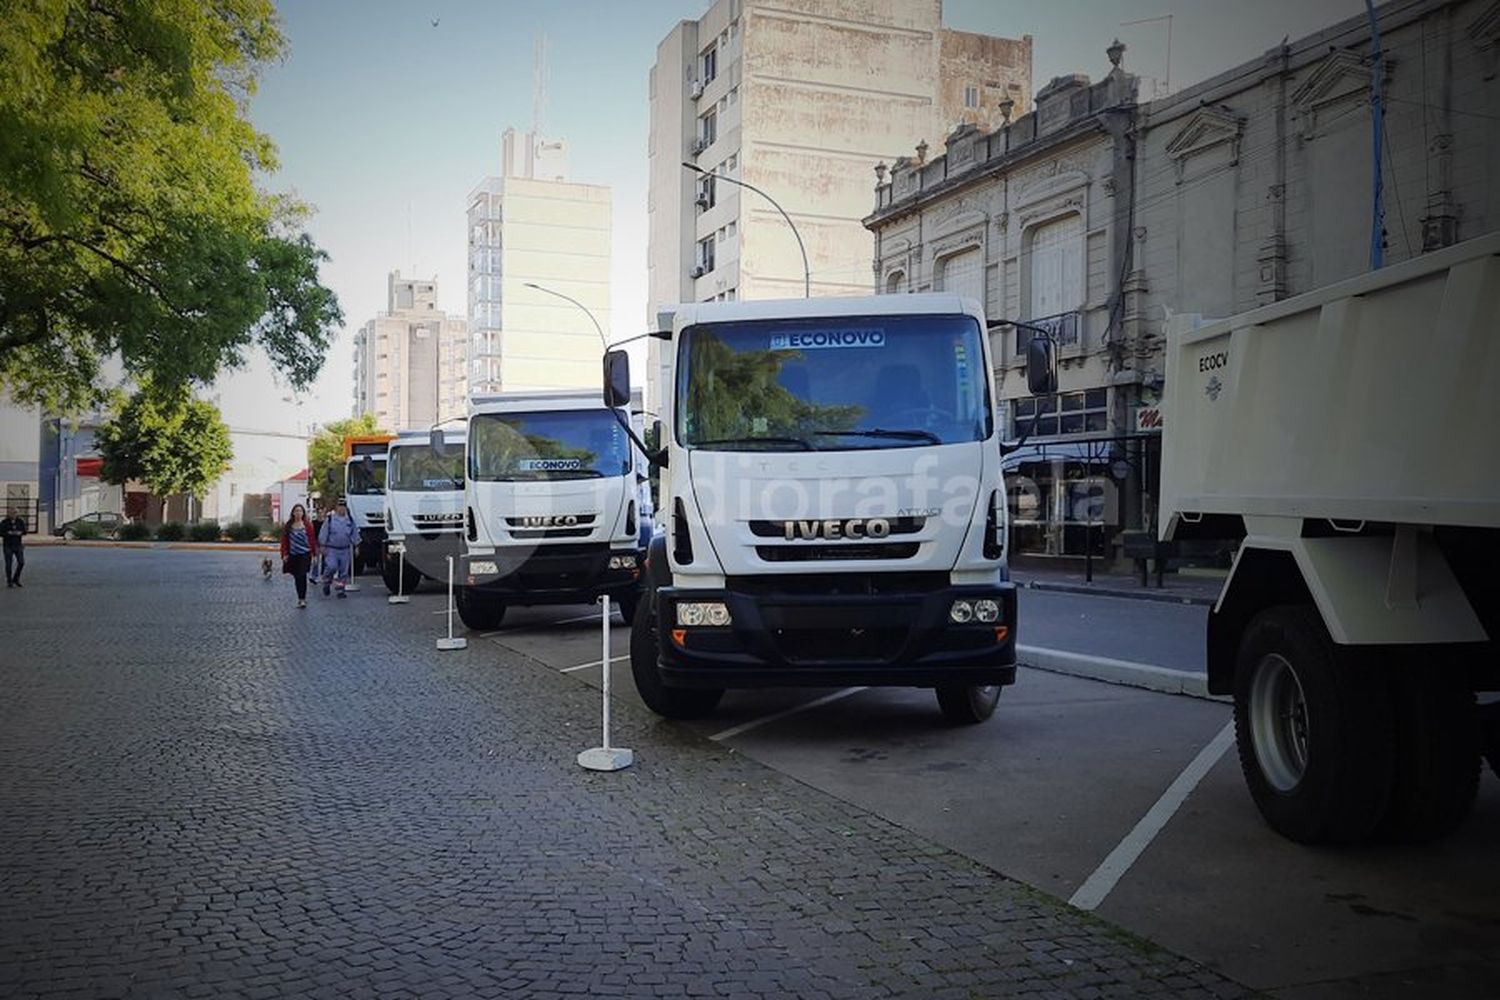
669	702
389	575
627	604
410	578
1313	729
1437	753
478	610
964	705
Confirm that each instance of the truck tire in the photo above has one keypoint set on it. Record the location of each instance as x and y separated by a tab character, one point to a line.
388	573
478	610
1313	727
668	702
1437	753
627	603
965	705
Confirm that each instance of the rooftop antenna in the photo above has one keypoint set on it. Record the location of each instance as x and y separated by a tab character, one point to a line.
1165	87
538	84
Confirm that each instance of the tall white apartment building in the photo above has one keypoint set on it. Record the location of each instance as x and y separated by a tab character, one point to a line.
410	362
531	225
803	101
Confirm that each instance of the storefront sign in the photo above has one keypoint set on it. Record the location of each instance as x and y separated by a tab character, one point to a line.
1148	418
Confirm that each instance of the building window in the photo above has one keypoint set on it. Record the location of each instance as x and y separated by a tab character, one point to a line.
706	193
708	128
895	283
1083	412
706	254
971	97
1056	267
962	274
708	63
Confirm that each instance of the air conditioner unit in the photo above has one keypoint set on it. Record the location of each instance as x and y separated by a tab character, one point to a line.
696	272
699	145
696	89
702	202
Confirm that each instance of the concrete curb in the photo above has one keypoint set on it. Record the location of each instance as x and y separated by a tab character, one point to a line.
87	543
1101	668
1143	594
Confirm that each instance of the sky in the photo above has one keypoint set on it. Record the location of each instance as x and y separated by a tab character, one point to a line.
385	121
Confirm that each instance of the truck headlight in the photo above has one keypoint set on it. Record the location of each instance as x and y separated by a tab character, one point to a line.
480	567
987	611
961	612
714	613
622	562
982	610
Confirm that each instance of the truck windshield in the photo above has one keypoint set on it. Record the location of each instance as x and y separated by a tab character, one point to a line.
363	482
552	444
416	469
832	384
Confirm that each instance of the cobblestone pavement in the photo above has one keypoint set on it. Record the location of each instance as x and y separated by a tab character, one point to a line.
205	792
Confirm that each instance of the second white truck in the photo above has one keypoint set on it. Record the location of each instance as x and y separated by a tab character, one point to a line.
424	508
554	501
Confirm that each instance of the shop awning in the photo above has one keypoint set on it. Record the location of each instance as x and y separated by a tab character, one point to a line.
90	466
1069	451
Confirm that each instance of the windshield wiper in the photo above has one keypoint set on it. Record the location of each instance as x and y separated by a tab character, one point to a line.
879	432
799	443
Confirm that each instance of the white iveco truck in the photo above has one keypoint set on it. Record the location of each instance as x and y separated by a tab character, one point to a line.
831	490
554	499
424	508
1347	438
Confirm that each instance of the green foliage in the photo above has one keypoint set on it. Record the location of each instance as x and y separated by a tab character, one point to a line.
170	531
204	531
243	531
87	531
130	220
166	439
325	454
652	439
134	531
736	394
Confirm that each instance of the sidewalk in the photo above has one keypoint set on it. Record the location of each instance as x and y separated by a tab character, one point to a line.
1200	587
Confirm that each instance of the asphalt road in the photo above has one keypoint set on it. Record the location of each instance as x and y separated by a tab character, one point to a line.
1154	632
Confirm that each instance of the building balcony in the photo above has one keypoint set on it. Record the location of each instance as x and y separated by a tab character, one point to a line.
1063	328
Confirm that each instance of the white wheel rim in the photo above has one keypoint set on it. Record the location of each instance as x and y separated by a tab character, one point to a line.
1278	722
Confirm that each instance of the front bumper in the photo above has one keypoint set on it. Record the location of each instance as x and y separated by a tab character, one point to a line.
792	640
555	574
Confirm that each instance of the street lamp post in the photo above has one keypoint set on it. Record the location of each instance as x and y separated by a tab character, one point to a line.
568	298
806	273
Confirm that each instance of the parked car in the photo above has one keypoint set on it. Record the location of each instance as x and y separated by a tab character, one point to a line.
108	522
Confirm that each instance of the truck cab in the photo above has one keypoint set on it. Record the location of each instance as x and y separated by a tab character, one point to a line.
364	489
833	503
554	497
424	510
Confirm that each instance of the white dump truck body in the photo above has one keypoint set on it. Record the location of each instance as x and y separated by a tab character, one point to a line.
1374	399
1347	439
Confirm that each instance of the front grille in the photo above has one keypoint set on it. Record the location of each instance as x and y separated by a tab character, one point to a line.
551	526
836	584
819	553
439	519
840	644
778	529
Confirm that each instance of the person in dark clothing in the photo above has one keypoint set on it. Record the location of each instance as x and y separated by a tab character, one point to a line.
13	528
299	545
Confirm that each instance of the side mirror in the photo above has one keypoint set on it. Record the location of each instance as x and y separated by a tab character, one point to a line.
616	379
1041	367
436	441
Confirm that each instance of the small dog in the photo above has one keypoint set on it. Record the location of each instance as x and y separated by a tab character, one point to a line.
265	567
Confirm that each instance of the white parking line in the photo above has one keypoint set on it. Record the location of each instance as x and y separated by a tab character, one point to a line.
1099	885
745	727
581	666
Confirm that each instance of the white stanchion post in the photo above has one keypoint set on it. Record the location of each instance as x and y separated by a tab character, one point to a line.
450	642
400	596
606	757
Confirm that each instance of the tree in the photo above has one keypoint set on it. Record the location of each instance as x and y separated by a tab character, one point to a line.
166	439
325	453
130	220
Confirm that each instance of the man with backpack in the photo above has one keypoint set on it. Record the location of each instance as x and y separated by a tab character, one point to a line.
338	539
